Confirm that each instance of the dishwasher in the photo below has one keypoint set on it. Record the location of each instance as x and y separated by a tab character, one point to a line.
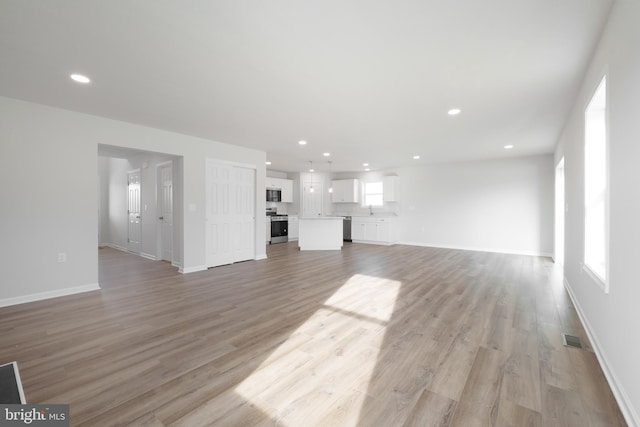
346	228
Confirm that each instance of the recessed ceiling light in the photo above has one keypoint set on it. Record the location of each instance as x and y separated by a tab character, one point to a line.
267	163
367	170
454	111
508	147
311	170
80	78
416	157
365	164
302	142
326	154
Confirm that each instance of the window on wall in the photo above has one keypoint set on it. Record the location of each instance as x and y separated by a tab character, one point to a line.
596	187
372	194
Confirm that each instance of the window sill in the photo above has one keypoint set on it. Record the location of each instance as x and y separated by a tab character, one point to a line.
596	279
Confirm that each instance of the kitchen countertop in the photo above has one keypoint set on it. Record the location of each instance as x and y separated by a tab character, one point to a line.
321	217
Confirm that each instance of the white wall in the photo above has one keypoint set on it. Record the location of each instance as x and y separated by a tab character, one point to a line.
496	205
611	318
50	204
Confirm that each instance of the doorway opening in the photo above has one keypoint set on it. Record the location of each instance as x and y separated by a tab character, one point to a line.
137	199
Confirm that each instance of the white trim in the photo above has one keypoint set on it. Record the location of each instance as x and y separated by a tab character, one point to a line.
192	269
148	256
49	294
468	248
141	254
118	247
625	404
595	278
230	163
260	257
372	242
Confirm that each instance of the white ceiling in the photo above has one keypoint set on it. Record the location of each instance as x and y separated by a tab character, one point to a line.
366	80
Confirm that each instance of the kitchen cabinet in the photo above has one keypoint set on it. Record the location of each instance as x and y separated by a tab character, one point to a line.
287	191
293	227
357	230
374	230
345	191
272	182
285	185
390	189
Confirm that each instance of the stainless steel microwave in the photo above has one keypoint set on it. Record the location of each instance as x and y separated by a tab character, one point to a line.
274	195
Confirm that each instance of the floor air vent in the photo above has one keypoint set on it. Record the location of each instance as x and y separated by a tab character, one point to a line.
571	341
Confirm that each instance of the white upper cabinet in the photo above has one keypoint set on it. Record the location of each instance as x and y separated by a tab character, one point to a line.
390	189
273	183
345	191
287	190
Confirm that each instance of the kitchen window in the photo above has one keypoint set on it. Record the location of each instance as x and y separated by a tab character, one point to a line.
372	193
596	189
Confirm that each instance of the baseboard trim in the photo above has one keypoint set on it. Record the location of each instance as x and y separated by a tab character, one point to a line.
625	404
148	256
260	257
6	302
117	247
476	249
369	242
192	269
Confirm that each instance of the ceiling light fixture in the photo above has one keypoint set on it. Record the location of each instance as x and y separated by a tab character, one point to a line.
365	164
326	154
416	157
80	78
367	170
311	190
267	163
508	147
302	142
454	111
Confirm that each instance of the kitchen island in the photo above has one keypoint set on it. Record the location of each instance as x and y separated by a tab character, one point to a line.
322	233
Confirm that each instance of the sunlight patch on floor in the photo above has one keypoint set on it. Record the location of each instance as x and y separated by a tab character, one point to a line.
320	375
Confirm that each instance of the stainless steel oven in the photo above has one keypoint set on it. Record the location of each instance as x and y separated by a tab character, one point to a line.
279	229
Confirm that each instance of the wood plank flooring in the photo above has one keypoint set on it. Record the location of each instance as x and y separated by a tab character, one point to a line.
368	336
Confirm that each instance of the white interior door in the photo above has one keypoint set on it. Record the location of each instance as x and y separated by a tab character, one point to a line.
312	199
134	230
243	188
230	214
165	209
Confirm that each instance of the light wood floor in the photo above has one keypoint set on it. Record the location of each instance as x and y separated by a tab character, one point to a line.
369	336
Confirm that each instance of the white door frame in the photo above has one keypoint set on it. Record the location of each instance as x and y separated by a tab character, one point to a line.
160	222
558	247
